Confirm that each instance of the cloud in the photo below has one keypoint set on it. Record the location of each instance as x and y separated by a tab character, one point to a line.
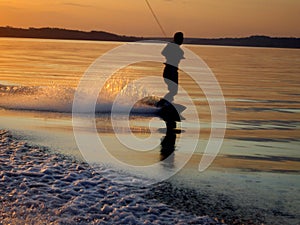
76	4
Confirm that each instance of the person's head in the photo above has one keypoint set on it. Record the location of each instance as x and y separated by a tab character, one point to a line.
178	38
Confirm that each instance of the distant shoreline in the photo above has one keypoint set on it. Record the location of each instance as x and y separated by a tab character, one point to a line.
66	34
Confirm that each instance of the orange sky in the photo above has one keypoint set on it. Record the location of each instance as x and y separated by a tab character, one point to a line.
196	18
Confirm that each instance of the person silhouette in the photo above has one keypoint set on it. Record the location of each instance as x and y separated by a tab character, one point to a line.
169	113
173	54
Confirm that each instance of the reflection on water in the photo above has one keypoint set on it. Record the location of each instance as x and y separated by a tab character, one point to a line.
167	152
168	142
261	87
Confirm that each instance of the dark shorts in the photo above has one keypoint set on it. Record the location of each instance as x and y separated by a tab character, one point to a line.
171	73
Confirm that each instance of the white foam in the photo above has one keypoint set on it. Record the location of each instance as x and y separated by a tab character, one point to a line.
60	99
41	187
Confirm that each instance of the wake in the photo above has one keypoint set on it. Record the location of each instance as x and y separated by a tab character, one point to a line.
60	99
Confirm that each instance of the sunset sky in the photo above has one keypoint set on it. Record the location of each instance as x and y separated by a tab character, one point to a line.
196	18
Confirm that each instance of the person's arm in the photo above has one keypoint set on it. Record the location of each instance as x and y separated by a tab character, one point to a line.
164	51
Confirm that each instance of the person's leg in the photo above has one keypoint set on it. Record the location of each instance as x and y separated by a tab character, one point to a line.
173	90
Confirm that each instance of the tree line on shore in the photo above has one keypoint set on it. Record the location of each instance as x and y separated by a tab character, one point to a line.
60	33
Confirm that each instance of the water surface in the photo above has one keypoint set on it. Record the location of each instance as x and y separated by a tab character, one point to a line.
259	160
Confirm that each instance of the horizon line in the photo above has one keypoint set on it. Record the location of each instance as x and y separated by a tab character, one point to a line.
126	35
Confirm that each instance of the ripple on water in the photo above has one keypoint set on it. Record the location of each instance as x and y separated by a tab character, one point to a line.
56	189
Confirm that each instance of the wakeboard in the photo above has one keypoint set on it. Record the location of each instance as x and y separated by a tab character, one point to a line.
170	111
166	110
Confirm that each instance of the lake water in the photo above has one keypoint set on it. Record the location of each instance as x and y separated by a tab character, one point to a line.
259	162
